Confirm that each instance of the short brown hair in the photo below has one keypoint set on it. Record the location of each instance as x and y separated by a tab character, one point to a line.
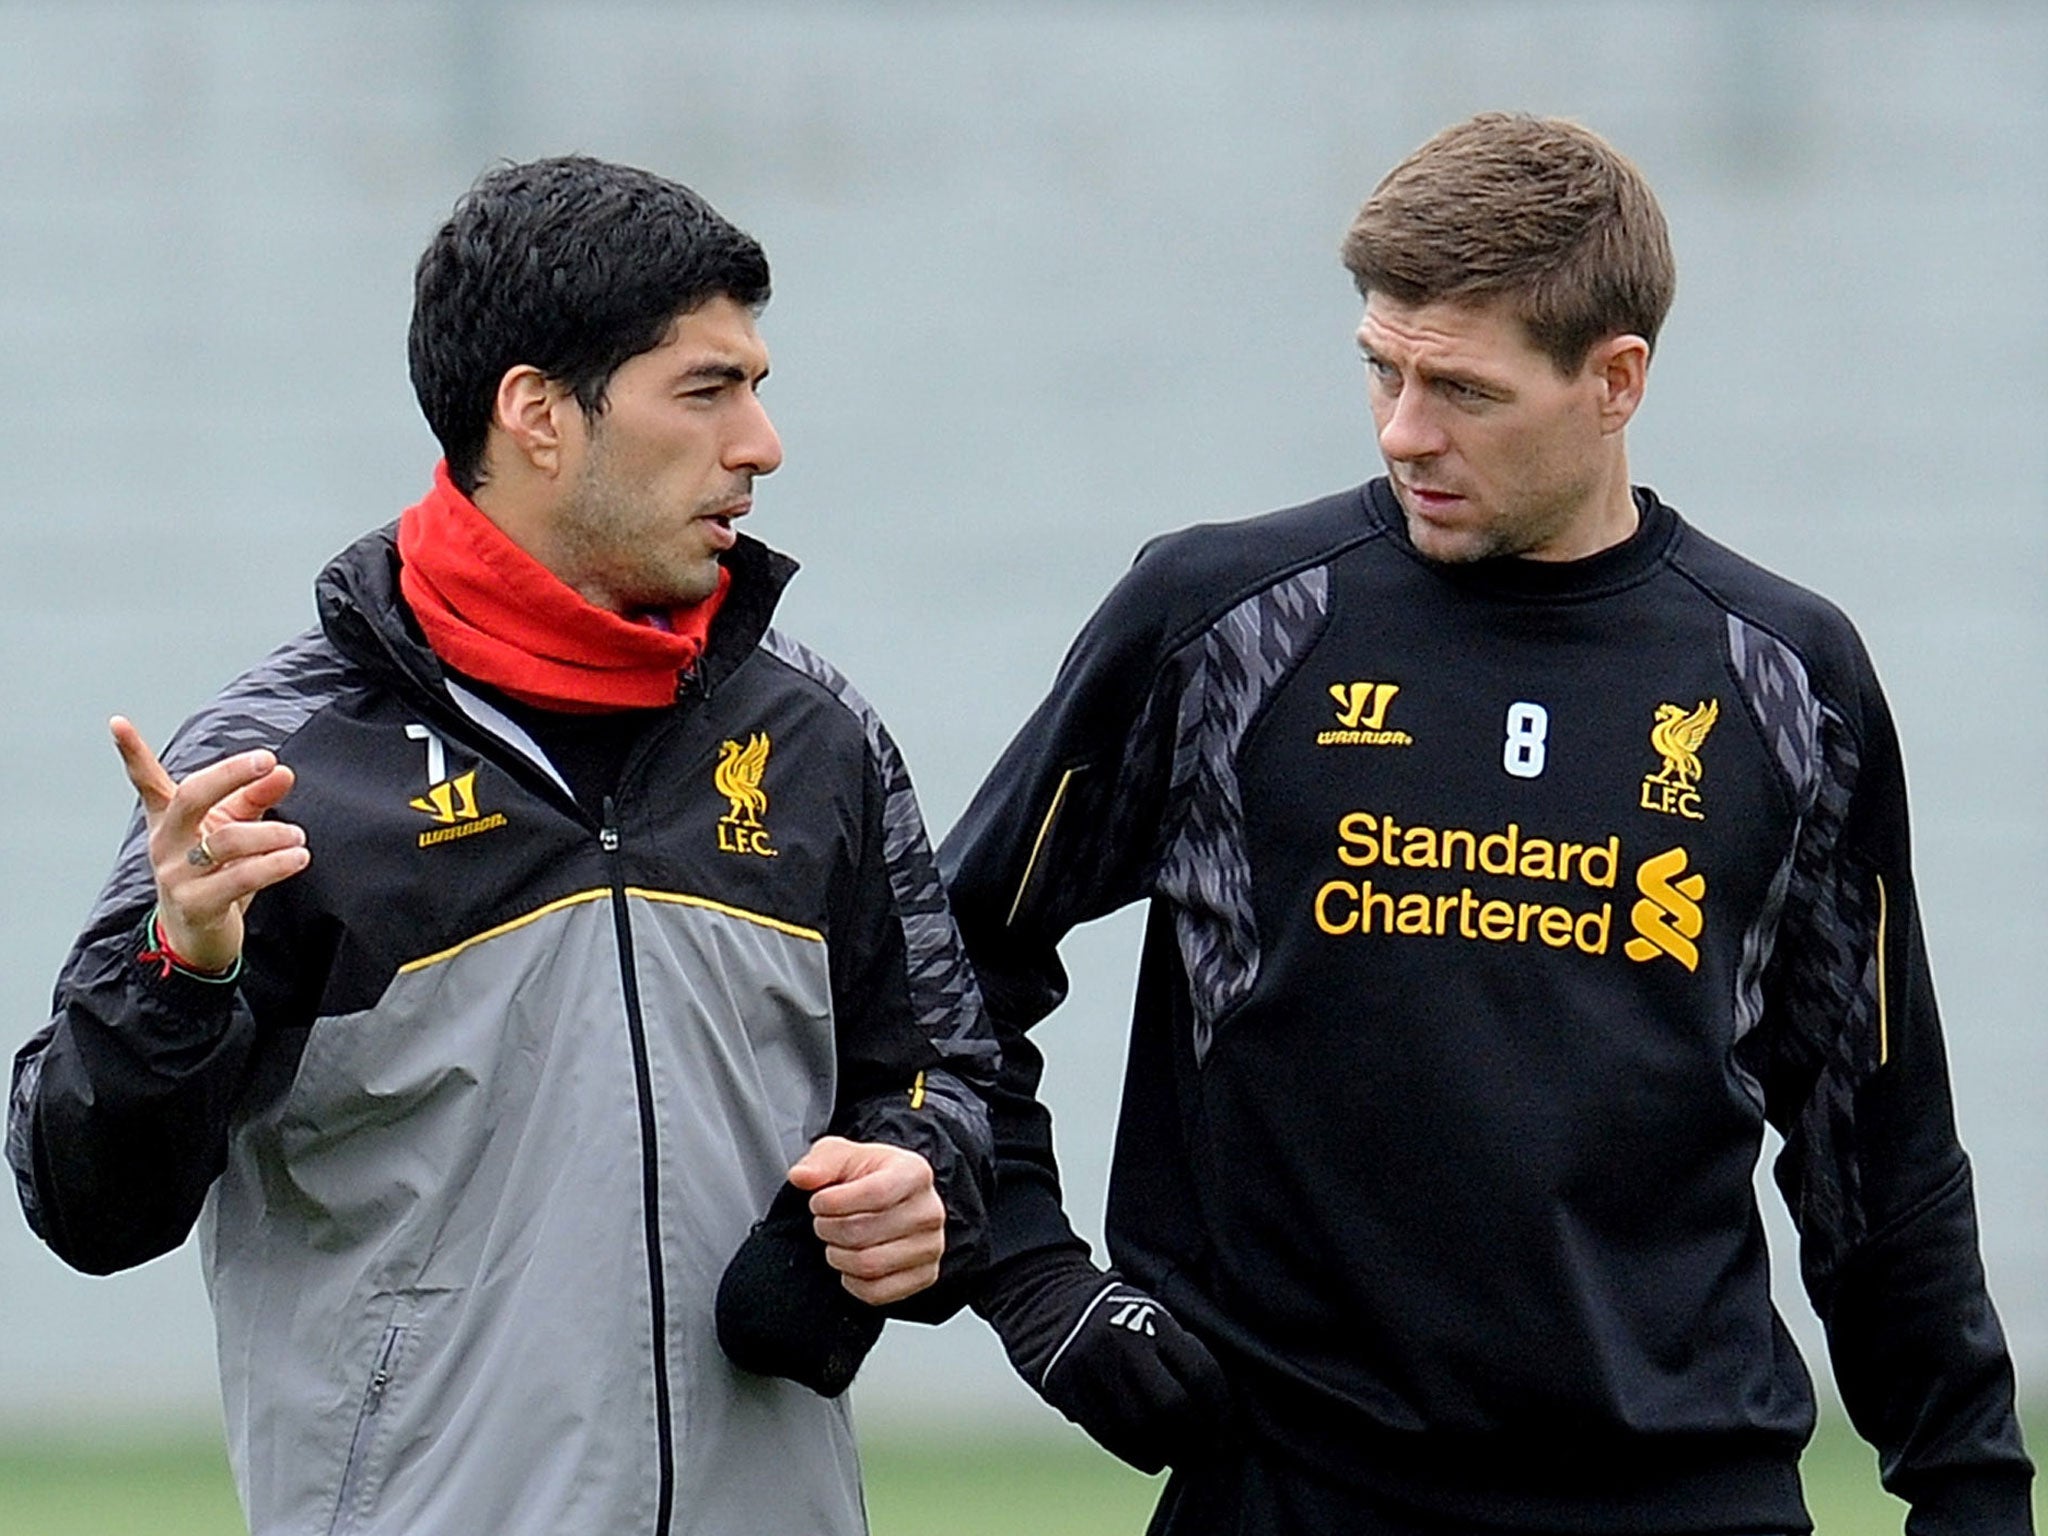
1535	210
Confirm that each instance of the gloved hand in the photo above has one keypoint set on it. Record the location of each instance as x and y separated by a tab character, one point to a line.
781	1310
1109	1357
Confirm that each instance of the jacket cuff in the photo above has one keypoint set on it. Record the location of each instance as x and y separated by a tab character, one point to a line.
1977	1501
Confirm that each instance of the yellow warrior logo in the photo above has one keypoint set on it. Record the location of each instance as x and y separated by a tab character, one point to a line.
1677	737
738	778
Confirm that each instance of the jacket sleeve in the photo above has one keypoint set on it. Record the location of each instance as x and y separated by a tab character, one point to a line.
117	1120
1856	1079
120	1107
917	1057
1066	828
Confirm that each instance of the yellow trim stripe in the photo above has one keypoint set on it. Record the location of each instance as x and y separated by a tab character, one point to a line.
1037	844
582	898
676	898
579	899
1884	1031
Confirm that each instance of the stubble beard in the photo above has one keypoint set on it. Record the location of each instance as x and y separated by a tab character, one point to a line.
615	537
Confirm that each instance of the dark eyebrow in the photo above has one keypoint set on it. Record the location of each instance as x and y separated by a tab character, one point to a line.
715	373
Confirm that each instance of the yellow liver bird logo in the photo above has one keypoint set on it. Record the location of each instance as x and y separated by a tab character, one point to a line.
738	778
1677	736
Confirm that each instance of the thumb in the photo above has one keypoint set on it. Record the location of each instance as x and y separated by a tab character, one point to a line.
831	1160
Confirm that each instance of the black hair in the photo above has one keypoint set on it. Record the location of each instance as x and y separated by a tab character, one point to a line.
571	266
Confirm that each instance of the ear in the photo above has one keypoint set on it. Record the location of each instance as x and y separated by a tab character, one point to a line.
535	418
1620	368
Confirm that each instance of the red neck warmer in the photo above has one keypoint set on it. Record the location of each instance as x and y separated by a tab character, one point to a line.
492	611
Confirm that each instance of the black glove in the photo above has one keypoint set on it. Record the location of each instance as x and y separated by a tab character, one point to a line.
781	1310
1109	1357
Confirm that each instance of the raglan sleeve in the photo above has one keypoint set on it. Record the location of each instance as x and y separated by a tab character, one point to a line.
1064	829
917	1055
1856	1079
120	1105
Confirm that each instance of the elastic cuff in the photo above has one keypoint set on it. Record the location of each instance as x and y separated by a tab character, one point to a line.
170	960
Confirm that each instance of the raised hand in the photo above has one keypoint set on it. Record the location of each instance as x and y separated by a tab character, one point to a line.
209	846
878	1212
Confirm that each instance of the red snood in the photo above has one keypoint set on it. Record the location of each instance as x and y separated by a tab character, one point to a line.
492	611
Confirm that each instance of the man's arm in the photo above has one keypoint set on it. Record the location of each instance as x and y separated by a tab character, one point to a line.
1851	1057
119	1109
889	1209
1068	827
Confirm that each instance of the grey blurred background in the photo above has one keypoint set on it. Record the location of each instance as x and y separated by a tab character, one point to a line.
1050	278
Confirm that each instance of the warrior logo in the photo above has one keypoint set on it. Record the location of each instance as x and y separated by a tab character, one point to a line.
1668	918
1362	712
738	778
450	801
1677	736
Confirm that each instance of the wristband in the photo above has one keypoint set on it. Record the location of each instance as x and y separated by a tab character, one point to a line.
167	957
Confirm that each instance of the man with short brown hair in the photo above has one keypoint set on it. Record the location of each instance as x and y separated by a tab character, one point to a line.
1515	855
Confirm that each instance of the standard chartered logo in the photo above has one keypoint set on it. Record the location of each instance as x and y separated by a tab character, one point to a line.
1668	918
1506	885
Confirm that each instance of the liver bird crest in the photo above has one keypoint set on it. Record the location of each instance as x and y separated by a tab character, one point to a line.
1677	736
738	778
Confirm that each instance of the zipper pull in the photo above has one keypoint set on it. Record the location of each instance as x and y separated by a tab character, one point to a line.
608	834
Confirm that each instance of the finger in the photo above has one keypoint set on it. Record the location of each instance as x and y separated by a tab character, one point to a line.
152	784
209	896
920	1251
879	1276
200	793
257	797
830	1160
886	1182
869	1229
230	840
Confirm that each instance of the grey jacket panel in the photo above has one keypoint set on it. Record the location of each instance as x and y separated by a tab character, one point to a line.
389	1246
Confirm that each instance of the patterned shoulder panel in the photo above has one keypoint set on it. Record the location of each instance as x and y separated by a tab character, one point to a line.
1205	871
1775	683
1775	686
942	984
263	707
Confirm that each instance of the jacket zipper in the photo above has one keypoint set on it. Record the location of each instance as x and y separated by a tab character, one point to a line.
366	1428
650	1178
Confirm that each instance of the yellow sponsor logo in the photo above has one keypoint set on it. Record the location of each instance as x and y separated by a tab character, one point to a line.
1362	717
1677	735
1365	839
1493	902
1344	906
452	803
1375	840
1668	917
737	776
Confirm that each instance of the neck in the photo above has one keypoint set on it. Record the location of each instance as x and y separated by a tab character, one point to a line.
1609	517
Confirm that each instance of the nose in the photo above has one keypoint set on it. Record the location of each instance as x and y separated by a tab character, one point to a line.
755	445
1408	429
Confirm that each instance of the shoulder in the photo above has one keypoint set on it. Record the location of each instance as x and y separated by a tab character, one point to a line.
1183	582
267	705
1766	608
839	705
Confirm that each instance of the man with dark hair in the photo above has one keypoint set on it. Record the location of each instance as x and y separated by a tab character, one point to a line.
535	976
1515	854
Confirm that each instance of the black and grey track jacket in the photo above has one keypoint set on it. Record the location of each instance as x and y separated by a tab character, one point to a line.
500	1089
1495	910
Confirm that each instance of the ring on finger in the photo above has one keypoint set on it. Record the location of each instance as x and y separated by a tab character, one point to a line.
200	854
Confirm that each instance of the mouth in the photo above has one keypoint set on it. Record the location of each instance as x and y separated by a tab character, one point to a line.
1430	500
720	522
